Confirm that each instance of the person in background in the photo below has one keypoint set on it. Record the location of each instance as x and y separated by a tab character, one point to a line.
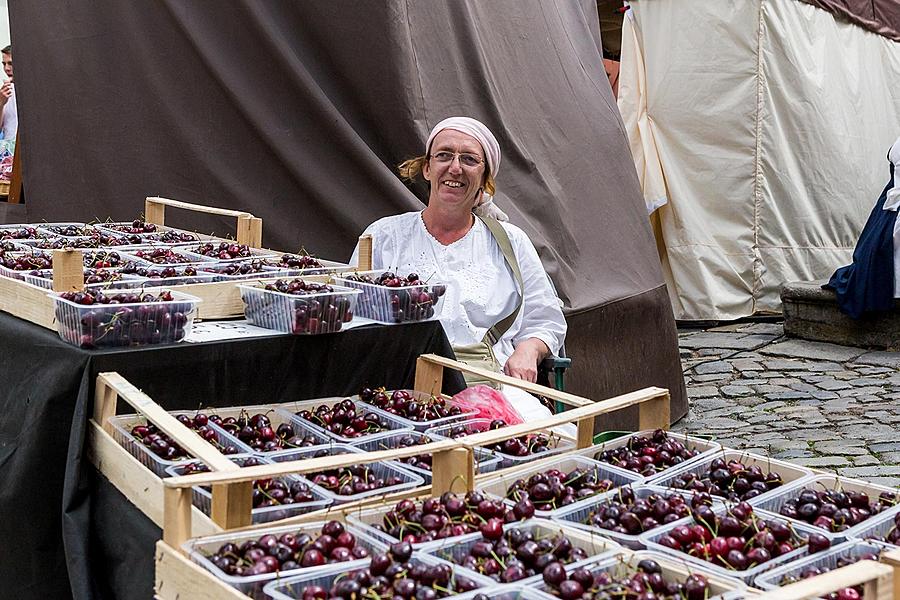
9	121
872	281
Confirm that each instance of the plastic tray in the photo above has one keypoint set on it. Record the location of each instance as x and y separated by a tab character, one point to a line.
92	255
485	462
577	514
704	447
420	425
396	304
292	587
202	497
122	425
255	253
801	531
408	479
596	546
275	417
771	580
20	273
500	484
16	245
507	460
199	549
831	482
189	257
295	407
55	229
328	266
369	516
878	526
44	278
10	230
264	272
789	472
124	324
721	588
284	312
180	279
117	227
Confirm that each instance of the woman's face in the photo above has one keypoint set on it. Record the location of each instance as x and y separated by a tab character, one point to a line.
454	183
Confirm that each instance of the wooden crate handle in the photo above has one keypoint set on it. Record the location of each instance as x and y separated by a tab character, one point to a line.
68	270
877	579
249	228
365	253
892	558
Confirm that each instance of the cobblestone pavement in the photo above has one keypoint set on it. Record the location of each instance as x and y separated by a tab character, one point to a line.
823	405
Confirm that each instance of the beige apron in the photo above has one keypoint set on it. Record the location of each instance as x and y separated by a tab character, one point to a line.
482	354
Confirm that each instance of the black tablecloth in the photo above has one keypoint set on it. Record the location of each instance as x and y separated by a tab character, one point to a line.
64	530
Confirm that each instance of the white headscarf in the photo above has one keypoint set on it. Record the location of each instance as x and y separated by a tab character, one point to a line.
892	202
479	131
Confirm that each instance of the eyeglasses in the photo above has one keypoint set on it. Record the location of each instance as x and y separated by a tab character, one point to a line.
467	160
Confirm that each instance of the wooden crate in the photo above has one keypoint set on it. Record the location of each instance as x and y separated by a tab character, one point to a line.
168	502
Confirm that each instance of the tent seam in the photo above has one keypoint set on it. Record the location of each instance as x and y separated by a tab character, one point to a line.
415	56
757	176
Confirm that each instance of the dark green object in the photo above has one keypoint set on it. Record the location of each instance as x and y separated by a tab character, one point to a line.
606	436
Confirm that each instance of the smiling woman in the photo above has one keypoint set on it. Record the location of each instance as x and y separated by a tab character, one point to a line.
500	311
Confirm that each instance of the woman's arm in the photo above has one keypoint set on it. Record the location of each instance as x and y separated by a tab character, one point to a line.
543	327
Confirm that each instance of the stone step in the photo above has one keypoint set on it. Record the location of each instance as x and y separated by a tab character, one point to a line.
812	313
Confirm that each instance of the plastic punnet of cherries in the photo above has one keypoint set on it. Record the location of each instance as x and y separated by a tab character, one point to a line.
524	445
645	581
404	404
278	491
552	489
411	300
739	539
323	312
257	432
164	447
835	510
648	455
848	593
450	515
153	318
345	419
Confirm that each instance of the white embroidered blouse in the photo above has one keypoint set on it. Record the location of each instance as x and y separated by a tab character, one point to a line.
481	289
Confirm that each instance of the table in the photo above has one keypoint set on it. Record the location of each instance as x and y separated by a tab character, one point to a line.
64	530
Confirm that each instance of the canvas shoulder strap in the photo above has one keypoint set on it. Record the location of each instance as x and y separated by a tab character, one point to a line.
502	238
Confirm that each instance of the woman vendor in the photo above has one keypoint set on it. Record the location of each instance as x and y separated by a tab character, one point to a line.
500	310
872	282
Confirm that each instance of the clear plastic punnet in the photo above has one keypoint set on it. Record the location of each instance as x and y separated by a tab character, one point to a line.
211	250
16	264
380	470
201	551
819	483
788	472
800	532
672	570
202	496
160	234
380	519
21	232
595	546
278	421
292	587
702	447
503	483
402	304
127	324
323	312
556	443
840	555
386	425
579	514
112	279
165	275
68	229
485	462
421	397
123	424
167	255
883	529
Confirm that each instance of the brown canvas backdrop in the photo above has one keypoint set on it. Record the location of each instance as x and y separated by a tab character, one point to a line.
298	111
879	16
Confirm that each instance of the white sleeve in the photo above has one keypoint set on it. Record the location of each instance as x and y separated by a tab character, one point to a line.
380	241
542	317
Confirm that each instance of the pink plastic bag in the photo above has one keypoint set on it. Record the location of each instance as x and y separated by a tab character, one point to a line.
490	404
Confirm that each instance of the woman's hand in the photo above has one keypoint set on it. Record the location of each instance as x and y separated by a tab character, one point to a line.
524	361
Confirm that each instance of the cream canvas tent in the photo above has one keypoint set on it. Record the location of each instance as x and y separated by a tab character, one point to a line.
759	130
